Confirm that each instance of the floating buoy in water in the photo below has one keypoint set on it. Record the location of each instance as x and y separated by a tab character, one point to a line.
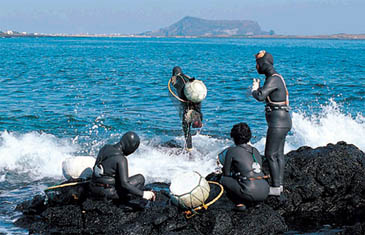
195	91
78	167
189	190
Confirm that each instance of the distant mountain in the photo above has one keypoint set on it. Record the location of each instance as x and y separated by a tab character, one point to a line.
192	26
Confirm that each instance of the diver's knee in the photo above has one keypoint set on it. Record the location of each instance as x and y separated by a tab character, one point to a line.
141	179
137	179
271	157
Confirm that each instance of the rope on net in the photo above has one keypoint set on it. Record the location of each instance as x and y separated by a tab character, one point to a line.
190	212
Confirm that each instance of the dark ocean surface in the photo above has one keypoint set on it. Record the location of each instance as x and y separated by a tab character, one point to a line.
65	97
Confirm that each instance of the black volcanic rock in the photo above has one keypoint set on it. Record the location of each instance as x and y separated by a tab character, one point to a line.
325	185
324	190
192	26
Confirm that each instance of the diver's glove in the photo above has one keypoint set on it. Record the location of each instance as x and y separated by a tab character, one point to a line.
255	84
173	80
149	195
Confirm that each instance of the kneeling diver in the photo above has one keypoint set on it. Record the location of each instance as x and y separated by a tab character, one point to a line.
110	178
242	177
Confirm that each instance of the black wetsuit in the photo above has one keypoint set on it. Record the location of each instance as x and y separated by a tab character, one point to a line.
243	184
195	114
274	92
115	183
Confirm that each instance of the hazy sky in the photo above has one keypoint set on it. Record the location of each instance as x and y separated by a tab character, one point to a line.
301	17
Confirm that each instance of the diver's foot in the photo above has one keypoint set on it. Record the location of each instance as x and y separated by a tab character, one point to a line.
126	208
274	191
258	205
239	208
189	149
134	205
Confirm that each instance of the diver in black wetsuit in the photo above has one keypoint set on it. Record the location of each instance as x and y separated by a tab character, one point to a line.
275	94
191	112
110	176
242	175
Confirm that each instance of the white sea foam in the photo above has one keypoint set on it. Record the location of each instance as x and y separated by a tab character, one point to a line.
162	163
2	178
330	125
41	155
37	154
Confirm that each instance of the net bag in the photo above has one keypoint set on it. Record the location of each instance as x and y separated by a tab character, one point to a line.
189	190
195	91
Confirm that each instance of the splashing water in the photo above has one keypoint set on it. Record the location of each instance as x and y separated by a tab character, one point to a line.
36	154
330	125
162	163
41	155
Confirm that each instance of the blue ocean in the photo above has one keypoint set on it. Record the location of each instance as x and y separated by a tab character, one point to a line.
66	97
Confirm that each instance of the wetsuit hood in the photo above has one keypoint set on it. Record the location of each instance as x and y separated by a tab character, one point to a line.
176	70
129	142
266	63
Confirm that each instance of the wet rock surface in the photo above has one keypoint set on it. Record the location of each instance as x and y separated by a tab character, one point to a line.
324	191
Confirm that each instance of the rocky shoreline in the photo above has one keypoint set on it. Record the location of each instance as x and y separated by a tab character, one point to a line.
324	189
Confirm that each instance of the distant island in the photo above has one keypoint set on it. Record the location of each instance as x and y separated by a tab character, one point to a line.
193	27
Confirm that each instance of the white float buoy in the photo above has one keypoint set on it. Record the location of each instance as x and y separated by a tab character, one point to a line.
195	91
189	190
78	167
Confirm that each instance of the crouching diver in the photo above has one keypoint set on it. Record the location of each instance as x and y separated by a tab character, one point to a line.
190	112
110	176
275	94
242	176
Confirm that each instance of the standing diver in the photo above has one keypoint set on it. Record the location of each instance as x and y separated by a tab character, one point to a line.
191	111
275	94
110	178
242	176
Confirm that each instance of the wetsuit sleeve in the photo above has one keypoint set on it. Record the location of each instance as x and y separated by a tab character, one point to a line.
263	92
227	164
191	79
122	173
178	84
100	156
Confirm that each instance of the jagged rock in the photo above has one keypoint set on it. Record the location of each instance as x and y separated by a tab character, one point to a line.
324	191
324	186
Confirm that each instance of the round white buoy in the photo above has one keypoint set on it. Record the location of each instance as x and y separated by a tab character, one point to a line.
195	91
189	189
78	167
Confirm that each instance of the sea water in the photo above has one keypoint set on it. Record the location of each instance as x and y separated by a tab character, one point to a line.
64	97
